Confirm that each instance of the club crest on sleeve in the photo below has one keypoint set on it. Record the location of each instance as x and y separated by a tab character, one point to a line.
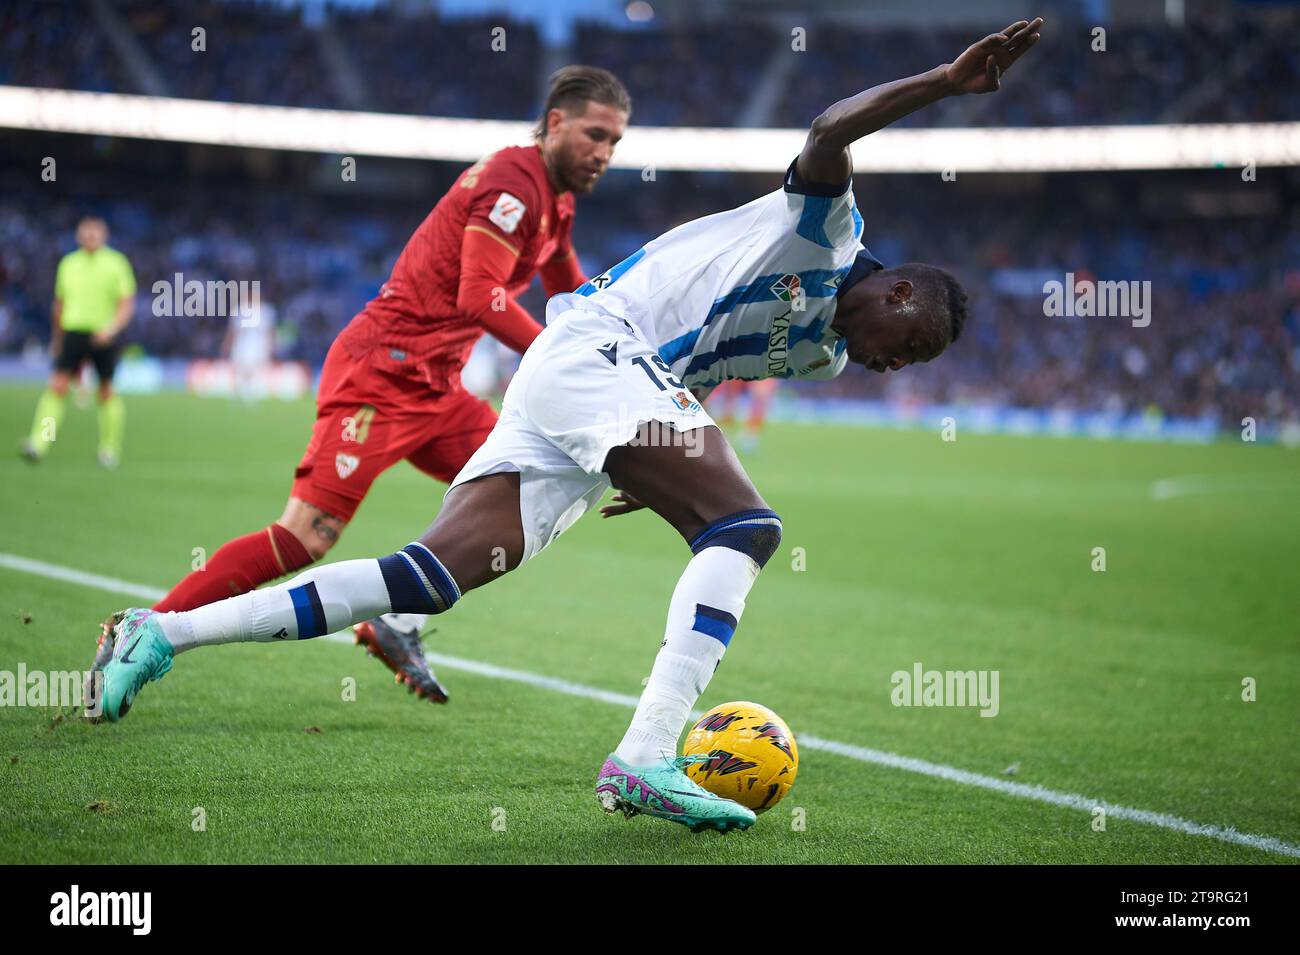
346	464
507	212
685	402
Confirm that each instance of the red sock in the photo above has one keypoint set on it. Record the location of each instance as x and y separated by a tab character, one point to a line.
237	567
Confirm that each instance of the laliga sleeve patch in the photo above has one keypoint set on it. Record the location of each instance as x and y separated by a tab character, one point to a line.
507	212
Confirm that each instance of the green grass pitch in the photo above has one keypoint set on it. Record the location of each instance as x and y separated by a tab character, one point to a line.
1123	685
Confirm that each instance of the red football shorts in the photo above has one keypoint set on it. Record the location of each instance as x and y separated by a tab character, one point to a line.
354	441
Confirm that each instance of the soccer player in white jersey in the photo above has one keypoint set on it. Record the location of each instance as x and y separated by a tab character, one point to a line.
609	395
250	346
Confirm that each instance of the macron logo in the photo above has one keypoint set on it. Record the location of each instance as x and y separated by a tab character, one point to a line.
507	212
103	908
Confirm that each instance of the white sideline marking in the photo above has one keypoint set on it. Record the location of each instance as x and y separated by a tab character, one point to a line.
1167	489
860	753
67	574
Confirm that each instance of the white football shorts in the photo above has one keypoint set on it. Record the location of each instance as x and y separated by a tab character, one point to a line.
584	387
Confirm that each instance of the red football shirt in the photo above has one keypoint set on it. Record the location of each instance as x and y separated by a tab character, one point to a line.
412	329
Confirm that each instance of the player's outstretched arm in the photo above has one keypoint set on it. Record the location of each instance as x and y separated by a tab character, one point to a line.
826	158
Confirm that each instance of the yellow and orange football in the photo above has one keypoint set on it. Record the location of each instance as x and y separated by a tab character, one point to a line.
752	756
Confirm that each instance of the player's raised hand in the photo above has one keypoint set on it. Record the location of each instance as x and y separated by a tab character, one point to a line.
624	503
980	68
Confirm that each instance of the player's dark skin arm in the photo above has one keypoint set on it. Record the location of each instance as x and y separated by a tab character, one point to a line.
826	157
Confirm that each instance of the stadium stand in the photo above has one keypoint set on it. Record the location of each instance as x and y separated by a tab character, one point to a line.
259	52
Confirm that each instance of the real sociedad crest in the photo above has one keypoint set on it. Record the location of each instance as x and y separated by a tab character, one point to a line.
684	402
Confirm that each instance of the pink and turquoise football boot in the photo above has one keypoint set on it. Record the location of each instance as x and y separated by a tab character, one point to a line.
140	654
663	790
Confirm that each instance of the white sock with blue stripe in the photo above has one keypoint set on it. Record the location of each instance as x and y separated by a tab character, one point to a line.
703	614
324	599
702	617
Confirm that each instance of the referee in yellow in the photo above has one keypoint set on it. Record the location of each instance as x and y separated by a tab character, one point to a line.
94	296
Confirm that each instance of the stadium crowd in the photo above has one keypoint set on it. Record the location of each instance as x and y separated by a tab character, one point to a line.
1224	336
1208	71
248	53
1218	67
1223	340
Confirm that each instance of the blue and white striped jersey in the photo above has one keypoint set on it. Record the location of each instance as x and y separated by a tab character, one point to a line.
748	293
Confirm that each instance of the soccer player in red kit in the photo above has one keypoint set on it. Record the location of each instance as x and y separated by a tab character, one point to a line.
390	388
727	398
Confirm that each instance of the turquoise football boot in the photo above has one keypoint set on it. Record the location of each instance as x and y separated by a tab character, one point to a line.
663	790
140	654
